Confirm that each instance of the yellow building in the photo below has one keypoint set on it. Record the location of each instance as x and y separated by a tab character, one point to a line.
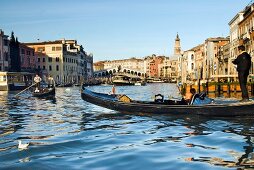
64	60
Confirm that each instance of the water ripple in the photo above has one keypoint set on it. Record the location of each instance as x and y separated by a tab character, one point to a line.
69	133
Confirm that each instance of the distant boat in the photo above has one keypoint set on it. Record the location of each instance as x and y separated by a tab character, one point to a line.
154	80
140	83
157	81
122	80
10	81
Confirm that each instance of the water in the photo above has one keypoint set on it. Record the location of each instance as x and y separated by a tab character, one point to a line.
70	133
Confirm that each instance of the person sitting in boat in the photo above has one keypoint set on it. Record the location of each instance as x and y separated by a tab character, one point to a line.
50	82
113	90
37	80
199	99
193	95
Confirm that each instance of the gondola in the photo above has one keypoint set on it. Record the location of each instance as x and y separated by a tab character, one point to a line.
45	92
124	104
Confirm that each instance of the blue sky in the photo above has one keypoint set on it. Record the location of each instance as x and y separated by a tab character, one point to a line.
120	29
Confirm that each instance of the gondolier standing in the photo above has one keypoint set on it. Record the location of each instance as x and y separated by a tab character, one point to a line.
243	62
37	80
51	82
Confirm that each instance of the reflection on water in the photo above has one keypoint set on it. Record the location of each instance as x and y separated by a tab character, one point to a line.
67	132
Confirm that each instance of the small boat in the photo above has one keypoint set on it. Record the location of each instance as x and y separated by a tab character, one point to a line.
122	80
123	103
45	92
140	83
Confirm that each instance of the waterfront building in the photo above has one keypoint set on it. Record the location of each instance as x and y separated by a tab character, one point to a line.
210	60
63	59
246	31
88	71
189	66
234	42
97	66
152	65
222	62
164	68
27	58
199	61
173	63
4	52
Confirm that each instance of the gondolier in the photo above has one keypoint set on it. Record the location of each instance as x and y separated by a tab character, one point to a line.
37	80
51	82
243	62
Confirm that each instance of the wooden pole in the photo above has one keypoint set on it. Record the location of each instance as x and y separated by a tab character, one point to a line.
25	89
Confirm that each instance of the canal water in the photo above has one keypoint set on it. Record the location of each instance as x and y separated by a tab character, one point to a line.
69	133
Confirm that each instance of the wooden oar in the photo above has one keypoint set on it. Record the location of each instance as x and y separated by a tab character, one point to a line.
25	89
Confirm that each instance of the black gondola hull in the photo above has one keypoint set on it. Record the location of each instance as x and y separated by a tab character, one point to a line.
49	92
112	102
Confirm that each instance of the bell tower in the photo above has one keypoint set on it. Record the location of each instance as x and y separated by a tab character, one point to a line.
177	48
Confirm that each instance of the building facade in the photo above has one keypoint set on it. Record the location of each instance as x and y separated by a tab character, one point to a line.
27	58
4	52
63	59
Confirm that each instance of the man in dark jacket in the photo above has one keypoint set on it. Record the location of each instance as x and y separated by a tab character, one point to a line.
243	62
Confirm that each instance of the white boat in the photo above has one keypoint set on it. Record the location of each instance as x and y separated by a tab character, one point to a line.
154	80
122	80
140	83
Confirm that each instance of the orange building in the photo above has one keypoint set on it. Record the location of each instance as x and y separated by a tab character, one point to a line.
98	66
152	65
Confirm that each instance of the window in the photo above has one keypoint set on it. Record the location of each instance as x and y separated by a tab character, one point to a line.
43	67
22	51
49	59
58	48
53	48
6	56
43	59
50	68
40	49
28	53
5	42
39	67
57	68
57	59
39	60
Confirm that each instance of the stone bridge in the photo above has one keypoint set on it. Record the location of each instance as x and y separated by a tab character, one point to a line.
114	71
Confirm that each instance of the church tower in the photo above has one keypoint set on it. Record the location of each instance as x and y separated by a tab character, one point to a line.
177	49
